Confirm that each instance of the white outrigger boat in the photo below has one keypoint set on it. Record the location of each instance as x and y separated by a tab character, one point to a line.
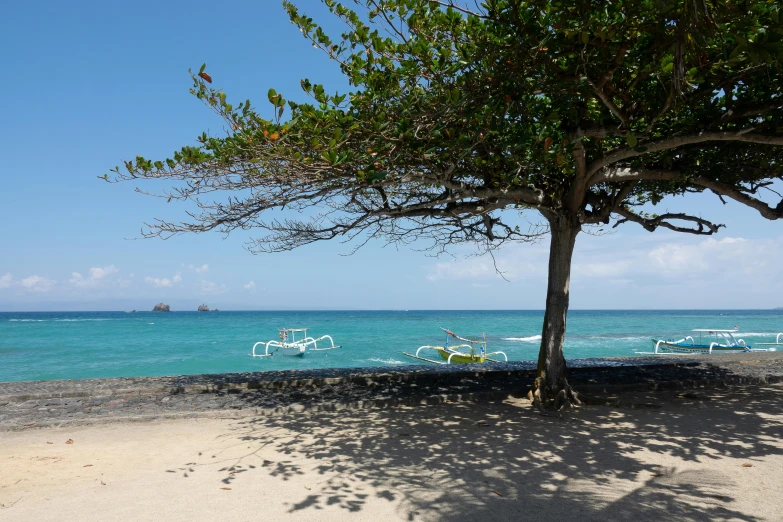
470	352
709	341
292	346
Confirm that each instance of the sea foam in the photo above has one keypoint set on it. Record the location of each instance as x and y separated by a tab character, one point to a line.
531	339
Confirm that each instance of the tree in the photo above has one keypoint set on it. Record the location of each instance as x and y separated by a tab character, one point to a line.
463	118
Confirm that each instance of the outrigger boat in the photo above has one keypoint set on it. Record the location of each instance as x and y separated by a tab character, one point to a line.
710	341
469	352
292	346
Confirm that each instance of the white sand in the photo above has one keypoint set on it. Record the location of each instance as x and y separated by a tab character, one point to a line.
683	461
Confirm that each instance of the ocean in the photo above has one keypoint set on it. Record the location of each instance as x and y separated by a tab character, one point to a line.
80	345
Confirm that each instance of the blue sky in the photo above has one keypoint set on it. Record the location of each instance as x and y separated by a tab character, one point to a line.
88	84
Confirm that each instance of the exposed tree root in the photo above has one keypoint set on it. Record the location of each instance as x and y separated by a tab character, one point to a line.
560	400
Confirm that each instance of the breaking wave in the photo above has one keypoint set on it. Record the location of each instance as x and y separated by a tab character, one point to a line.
531	339
387	361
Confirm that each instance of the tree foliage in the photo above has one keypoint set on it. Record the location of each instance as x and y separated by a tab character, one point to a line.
463	115
459	113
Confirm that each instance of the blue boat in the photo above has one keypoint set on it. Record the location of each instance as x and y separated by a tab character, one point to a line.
709	341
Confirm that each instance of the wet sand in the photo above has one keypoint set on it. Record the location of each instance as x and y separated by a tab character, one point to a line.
674	455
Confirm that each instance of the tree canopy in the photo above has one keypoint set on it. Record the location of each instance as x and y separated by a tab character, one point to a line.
463	115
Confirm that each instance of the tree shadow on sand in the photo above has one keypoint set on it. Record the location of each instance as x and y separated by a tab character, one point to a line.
504	461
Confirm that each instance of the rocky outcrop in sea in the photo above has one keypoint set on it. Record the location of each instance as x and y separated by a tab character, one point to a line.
160	307
203	308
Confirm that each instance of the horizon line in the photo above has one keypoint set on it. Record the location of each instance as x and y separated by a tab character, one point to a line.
403	310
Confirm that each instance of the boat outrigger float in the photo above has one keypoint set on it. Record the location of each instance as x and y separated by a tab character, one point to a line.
292	346
469	352
710	341
776	343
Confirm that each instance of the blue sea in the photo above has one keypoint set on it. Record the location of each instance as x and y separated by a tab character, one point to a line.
79	345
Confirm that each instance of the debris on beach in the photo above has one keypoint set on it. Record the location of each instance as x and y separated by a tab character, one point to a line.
69	441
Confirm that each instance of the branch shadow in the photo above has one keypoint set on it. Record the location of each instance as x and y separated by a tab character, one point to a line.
502	460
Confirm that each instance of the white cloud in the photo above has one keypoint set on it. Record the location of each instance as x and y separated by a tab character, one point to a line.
164	282
203	269
462	269
680	272
250	286
6	280
208	287
36	283
676	258
514	262
100	273
609	269
642	271
96	277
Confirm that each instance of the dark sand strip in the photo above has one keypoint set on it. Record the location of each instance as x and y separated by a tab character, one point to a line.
59	403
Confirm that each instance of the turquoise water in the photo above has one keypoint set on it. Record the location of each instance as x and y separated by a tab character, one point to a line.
77	345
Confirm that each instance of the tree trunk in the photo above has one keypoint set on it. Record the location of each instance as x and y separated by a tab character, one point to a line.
551	379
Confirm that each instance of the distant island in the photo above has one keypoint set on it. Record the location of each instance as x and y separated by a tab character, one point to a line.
205	308
160	307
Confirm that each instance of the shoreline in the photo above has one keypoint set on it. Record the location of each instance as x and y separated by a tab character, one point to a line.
694	438
33	404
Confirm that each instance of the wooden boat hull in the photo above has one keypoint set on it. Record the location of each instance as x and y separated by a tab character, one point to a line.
452	354
296	350
461	357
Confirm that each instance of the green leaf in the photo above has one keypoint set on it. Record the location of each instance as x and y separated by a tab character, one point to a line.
377	176
203	66
631	139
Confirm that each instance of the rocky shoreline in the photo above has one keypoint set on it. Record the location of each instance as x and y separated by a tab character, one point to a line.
53	403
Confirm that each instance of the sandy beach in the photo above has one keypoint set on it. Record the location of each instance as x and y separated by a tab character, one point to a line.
705	455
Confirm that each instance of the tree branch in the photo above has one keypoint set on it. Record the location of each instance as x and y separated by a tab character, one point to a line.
607	101
722	189
451	4
739	113
616	63
702	228
620	154
623	174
